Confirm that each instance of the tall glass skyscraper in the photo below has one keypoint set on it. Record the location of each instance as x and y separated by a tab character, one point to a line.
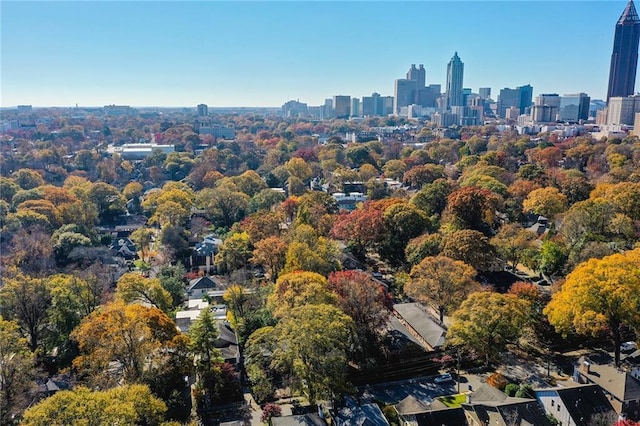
455	73
624	59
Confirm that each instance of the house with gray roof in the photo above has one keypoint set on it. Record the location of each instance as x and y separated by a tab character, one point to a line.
414	412
580	405
620	386
299	420
200	286
488	405
422	327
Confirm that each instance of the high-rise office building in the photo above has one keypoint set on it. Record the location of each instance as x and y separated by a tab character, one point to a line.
203	110
455	74
574	107
506	99
404	94
525	96
355	107
621	111
519	97
342	106
624	59
419	75
372	105
484	92
546	108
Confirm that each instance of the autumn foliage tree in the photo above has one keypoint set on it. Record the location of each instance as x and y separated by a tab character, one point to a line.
130	404
312	343
16	362
472	208
486	322
441	282
128	343
471	247
365	300
270	253
600	295
134	288
299	288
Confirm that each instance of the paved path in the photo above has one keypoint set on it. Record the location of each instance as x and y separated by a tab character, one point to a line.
254	409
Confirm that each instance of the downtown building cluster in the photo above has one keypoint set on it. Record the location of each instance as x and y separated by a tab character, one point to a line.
414	98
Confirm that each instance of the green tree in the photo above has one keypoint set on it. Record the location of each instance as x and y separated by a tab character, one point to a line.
235	252
27	300
72	299
224	206
172	279
600	295
312	344
27	178
143	237
8	188
471	247
109	201
552	258
16	363
65	242
202	339
441	282
512	242
133	287
486	322
402	222
432	198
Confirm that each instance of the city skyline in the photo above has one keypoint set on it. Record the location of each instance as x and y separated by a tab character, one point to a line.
263	54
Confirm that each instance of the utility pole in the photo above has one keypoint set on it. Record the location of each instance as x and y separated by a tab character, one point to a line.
458	370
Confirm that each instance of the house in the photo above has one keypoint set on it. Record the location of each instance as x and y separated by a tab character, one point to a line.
488	405
540	226
418	322
359	415
227	341
200	286
124	248
414	412
620	386
578	405
312	419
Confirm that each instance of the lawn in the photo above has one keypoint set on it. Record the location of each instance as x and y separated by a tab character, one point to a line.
453	401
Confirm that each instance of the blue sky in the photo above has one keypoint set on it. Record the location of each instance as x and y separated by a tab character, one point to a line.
242	53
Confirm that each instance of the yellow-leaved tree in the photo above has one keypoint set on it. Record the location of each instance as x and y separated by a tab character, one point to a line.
599	296
124	405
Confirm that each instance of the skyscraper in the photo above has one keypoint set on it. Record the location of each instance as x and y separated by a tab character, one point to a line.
455	73
525	96
203	110
404	93
342	106
574	107
624	59
419	75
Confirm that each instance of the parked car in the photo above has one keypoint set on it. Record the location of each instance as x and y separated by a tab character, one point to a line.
443	378
628	347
